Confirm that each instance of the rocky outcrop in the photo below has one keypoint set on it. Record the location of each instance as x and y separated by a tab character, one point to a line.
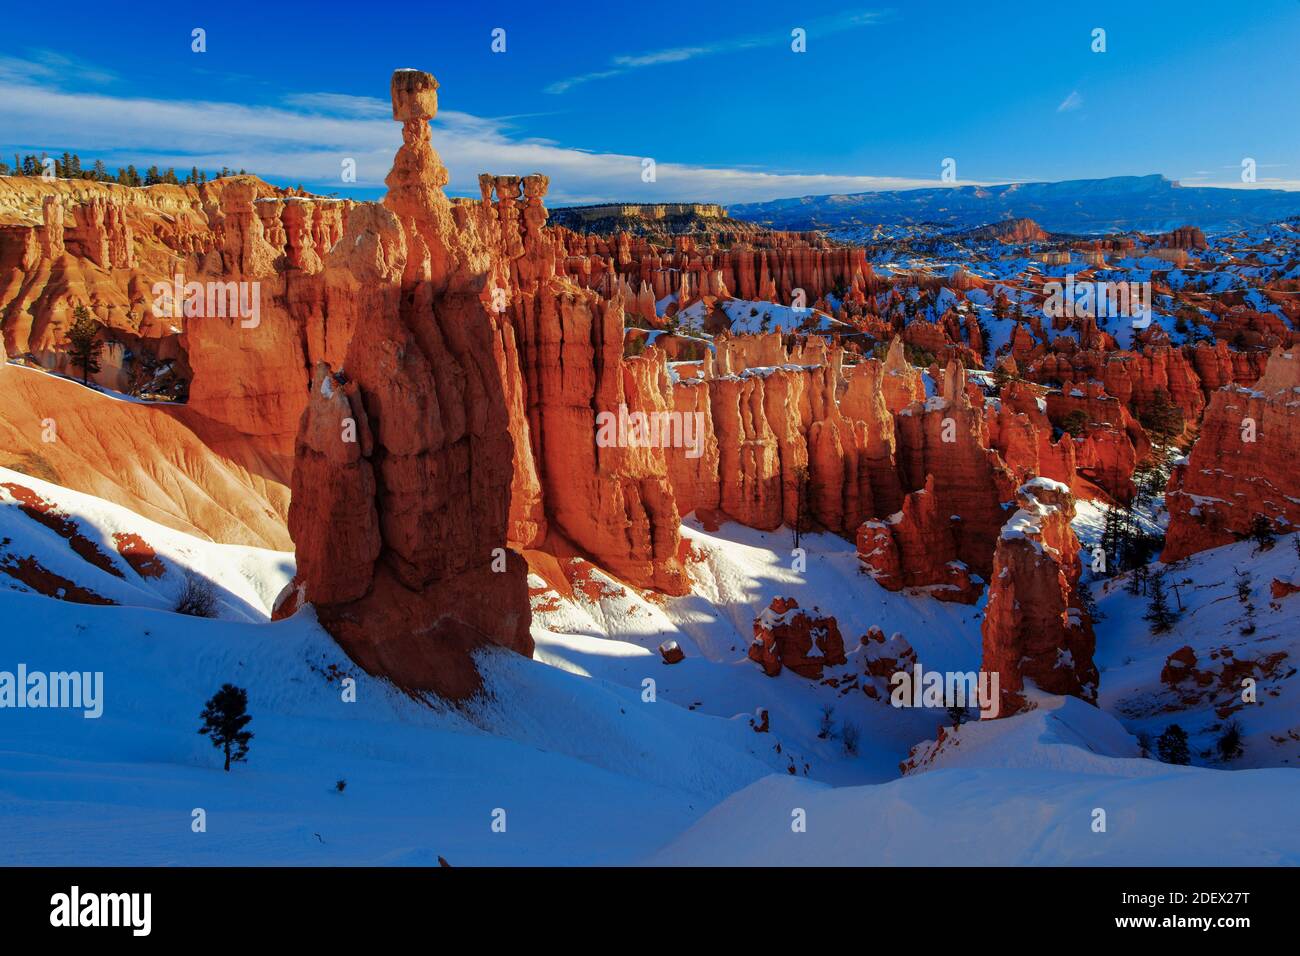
1241	466
900	381
917	548
1217	679
943	446
671	652
882	659
1184	237
404	462
1035	628
786	635
1280	589
1011	230
1022	432
606	477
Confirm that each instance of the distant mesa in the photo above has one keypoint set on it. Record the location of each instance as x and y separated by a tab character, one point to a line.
661	219
1150	204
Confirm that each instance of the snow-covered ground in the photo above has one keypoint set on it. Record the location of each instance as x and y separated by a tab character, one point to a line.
611	631
1216	624
746	316
245	580
583	760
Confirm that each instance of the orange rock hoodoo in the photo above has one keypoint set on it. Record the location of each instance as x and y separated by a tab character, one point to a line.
1035	627
1242	465
405	457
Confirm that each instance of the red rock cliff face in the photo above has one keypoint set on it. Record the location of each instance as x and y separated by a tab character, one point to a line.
1035	628
945	438
604	482
1242	465
401	525
66	243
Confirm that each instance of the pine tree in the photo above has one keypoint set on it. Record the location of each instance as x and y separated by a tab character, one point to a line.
1117	539
1159	614
1000	305
985	336
801	483
1086	601
1261	532
1172	746
83	343
1075	423
1110	537
1137	583
1163	420
1229	742
1001	376
224	718
100	172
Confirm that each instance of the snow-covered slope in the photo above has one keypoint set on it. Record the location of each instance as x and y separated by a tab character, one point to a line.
584	771
122	557
596	752
1148	692
1178	816
590	623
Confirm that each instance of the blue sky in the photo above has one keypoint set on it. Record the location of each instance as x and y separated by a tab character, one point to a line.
712	92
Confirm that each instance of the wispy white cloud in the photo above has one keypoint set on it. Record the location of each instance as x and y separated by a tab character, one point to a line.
629	62
339	103
53	69
1071	102
306	138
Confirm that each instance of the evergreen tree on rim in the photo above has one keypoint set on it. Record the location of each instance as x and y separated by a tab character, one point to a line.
83	343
